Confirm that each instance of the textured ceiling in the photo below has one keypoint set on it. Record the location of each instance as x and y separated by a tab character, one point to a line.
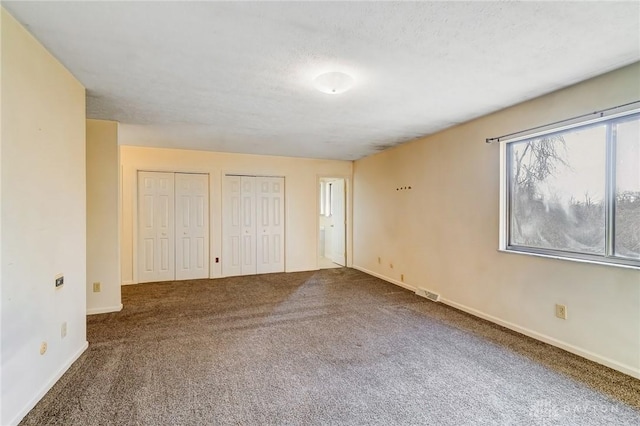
237	77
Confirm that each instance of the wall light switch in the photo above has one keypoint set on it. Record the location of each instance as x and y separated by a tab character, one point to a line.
96	287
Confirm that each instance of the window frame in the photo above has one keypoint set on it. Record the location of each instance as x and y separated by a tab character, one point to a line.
609	257
326	198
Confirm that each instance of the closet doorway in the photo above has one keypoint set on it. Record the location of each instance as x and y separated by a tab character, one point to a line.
173	226
252	225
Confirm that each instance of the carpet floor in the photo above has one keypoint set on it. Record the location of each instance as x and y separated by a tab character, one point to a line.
329	347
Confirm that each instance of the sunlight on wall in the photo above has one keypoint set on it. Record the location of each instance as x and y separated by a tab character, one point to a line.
443	235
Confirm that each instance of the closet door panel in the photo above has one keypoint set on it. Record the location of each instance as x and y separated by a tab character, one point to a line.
270	214
192	226
156	237
232	226
248	205
253	225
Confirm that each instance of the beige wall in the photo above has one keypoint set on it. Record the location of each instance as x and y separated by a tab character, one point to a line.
43	220
301	197
103	212
443	233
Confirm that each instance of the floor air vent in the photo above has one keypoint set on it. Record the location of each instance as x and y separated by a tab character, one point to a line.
434	297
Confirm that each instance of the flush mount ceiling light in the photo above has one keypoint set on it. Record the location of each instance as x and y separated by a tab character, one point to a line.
333	83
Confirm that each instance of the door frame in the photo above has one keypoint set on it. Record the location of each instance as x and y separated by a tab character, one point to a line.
134	214
348	216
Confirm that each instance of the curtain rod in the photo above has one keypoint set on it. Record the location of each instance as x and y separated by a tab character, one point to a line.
600	113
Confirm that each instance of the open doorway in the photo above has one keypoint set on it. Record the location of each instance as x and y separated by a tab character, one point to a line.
332	237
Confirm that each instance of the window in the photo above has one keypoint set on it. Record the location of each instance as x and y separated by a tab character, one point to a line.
322	193
575	193
326	199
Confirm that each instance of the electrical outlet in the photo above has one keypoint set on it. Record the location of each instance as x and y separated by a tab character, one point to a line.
379	260
63	330
59	280
96	287
402	277
561	311
217	260
391	265
43	348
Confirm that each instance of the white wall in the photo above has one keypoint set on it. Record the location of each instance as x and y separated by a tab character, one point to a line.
103	214
443	233
43	220
301	197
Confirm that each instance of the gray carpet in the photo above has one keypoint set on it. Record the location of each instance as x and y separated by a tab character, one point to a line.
329	347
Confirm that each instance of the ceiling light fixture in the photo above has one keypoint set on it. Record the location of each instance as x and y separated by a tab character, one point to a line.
333	83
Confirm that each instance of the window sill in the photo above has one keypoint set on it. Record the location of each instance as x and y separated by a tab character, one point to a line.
572	259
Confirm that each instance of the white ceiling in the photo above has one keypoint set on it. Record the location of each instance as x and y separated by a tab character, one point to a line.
237	77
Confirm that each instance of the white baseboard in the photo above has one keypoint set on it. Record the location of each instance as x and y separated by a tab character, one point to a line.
105	310
32	403
623	368
382	277
128	283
